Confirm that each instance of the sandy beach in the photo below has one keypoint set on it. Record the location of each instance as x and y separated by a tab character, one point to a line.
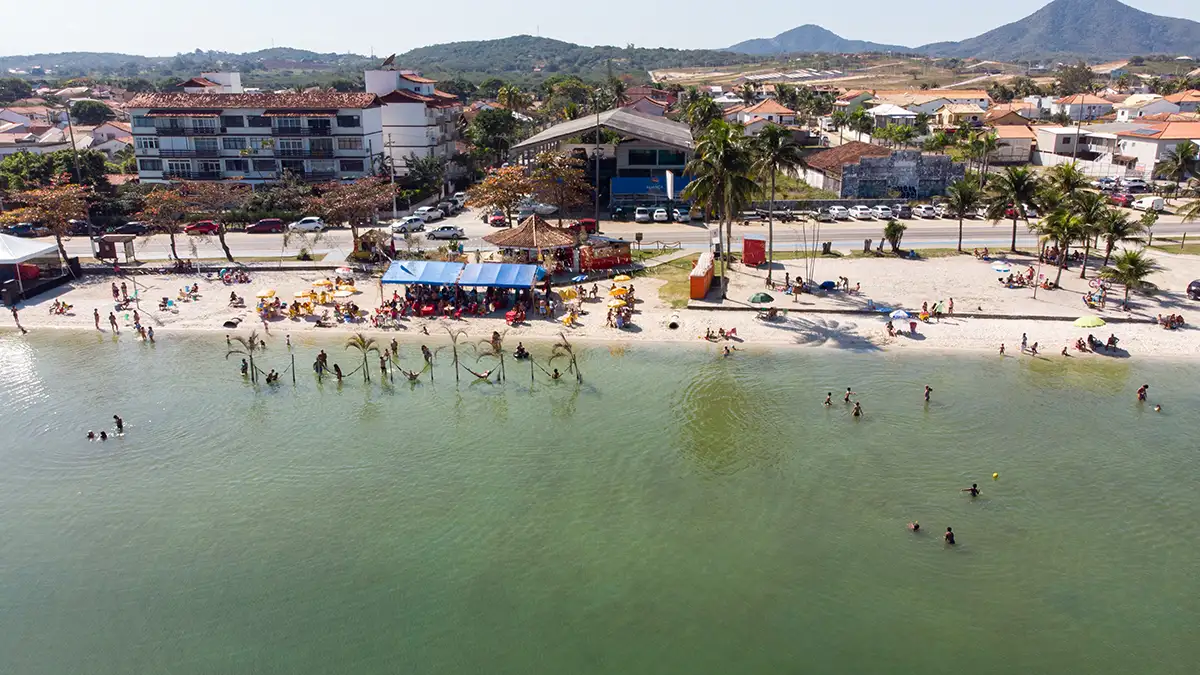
986	313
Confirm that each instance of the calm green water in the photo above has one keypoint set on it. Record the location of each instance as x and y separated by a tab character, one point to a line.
679	513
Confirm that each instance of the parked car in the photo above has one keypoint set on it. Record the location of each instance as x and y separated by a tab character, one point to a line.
661	216
642	215
429	214
27	230
308	224
497	219
1121	199
621	213
586	225
1149	204
839	212
696	213
460	197
446	232
680	215
266	226
135	228
860	212
902	211
544	209
80	228
201	227
1105	184
1134	185
882	212
408	224
823	215
943	211
449	207
925	211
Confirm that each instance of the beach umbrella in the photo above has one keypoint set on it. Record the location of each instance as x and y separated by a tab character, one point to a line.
618	291
303	295
622	278
1193	290
1089	322
344	271
761	298
579	278
900	315
268	293
1001	266
616	303
341	295
567	293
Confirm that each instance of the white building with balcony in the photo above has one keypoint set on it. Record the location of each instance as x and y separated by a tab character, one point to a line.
417	119
256	138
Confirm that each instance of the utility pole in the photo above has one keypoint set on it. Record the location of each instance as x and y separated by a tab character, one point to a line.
391	173
1078	124
74	149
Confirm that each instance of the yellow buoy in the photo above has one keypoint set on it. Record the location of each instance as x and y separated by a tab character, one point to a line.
995	476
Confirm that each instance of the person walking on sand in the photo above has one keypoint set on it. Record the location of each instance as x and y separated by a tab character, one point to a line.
846	398
1024	341
116	294
124	292
950	307
112	321
96	316
17	320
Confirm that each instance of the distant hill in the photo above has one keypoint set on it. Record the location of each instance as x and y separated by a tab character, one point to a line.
1085	28
810	38
525	53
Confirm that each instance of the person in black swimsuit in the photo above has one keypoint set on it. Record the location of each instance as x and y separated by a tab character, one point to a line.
974	490
949	536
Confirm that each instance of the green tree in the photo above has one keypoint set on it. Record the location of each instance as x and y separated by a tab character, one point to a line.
54	206
246	346
1067	178
1063	228
723	176
165	210
748	93
702	112
493	131
14	89
963	197
364	346
1130	269
893	232
1074	79
1092	209
24	171
1118	227
1178	162
1016	186
213	200
559	179
774	150
90	112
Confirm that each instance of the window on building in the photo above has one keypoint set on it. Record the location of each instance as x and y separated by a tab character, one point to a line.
258	121
350	143
204	123
292	145
238	165
264	165
288	122
260	143
146	142
178	166
1067	140
351	164
670	158
321	145
348	121
150	164
643	157
206	144
233	121
233	143
209	166
142	121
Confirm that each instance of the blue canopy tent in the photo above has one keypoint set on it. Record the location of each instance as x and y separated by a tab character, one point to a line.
499	275
423	272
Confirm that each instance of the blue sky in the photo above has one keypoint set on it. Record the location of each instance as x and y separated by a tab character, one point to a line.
386	26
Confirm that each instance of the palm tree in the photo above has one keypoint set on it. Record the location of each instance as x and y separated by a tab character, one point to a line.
722	170
963	197
493	348
701	112
774	150
1178	162
1117	227
1017	186
455	334
937	142
364	345
840	119
1068	178
893	232
1190	212
616	92
1092	209
861	122
985	143
563	350
248	347
1130	269
1062	227
903	134
748	93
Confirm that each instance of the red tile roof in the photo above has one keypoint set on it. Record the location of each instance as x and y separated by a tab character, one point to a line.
413	77
198	82
1082	99
769	107
1189	96
1170	131
306	101
832	160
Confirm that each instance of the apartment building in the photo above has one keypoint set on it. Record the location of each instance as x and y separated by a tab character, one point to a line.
256	138
417	118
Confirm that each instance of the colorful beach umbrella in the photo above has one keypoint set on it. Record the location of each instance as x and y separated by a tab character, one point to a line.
616	303
268	293
341	295
618	291
344	271
579	278
622	278
761	298
567	293
1001	266
900	315
1089	322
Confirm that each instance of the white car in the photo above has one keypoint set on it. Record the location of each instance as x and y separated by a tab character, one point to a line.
460	197
307	224
642	215
1133	184
429	214
860	212
839	212
409	224
942	210
696	213
925	211
680	215
532	207
882	212
446	232
1148	204
661	216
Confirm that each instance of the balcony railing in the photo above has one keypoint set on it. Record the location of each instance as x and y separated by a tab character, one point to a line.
197	152
294	152
302	131
187	131
192	175
320	175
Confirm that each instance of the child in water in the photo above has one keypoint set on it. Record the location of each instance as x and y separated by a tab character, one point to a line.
949	536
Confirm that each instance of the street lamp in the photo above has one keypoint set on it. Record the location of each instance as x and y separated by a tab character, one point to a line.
597	155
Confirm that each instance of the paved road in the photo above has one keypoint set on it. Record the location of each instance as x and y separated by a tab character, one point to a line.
935	233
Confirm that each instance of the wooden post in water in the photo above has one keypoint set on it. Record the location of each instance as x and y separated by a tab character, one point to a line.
293	369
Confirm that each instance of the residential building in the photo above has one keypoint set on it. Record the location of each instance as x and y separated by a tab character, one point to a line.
888	113
1188	101
214	83
915	103
906	97
769	110
650	93
731	114
956	114
996	117
852	100
37	140
864	171
1148	144
32	114
255	137
1015	144
1082	107
1140	105
112	130
648	106
417	119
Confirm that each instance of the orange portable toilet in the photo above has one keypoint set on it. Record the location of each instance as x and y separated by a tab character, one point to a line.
701	276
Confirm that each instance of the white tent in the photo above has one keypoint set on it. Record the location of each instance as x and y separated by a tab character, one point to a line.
14	250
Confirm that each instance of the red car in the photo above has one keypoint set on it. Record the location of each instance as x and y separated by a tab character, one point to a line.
1122	199
266	226
588	225
201	227
497	219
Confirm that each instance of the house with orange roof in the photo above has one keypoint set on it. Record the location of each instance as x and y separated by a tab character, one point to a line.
1082	107
1015	144
769	110
648	106
1188	101
852	100
1137	106
1151	142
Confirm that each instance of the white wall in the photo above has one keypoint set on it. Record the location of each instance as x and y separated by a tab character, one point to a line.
1152	108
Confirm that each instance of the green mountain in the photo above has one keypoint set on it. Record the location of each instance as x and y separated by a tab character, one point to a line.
810	38
1098	29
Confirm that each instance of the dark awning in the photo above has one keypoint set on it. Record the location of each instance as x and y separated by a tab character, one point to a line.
300	113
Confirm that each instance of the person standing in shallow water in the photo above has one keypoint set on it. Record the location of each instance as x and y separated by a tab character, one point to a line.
828	399
974	489
849	393
928	391
949	536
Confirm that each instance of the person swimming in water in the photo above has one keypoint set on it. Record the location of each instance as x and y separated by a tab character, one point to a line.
104	435
974	489
858	411
555	375
949	536
91	436
828	399
849	393
120	424
1157	408
914	526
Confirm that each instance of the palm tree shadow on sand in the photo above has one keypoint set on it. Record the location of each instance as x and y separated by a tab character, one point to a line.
820	332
